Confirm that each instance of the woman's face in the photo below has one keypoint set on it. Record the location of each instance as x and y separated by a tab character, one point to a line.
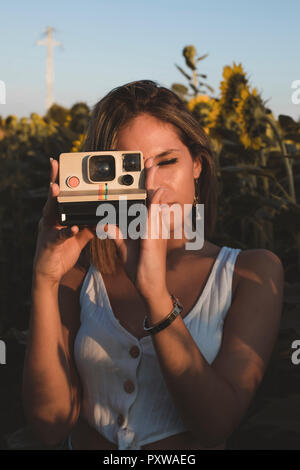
176	169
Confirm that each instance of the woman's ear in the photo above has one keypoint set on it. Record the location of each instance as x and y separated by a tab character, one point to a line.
197	167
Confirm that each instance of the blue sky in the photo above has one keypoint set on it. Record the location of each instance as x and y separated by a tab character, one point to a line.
110	42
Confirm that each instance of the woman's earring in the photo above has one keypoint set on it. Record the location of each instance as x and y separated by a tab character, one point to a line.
196	197
196	212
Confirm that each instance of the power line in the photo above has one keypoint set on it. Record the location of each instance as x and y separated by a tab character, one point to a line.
50	43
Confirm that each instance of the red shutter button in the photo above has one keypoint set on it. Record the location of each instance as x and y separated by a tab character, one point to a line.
72	181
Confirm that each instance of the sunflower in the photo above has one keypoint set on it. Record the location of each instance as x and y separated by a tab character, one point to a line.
67	121
11	121
234	79
36	118
250	110
196	100
189	53
202	106
77	144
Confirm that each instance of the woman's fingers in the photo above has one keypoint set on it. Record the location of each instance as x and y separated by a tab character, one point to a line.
58	236
50	207
154	197
64	233
155	214
150	177
53	170
83	236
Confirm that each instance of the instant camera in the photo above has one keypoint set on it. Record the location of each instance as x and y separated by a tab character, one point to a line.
88	179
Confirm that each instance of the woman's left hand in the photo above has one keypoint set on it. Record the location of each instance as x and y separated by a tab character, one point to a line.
144	259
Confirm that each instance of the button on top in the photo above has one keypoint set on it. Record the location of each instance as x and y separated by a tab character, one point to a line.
128	386
134	351
120	420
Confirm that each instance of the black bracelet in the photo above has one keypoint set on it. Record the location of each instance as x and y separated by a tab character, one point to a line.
177	309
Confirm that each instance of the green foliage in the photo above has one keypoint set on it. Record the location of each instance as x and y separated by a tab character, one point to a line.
196	86
25	148
180	90
58	114
258	162
189	53
80	114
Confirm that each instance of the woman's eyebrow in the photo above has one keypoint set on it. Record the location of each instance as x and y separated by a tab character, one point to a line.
165	153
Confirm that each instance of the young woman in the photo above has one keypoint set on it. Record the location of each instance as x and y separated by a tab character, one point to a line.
92	372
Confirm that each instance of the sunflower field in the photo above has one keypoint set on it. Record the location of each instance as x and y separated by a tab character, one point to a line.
258	168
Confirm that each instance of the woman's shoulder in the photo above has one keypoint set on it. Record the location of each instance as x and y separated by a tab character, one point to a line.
252	265
258	270
258	262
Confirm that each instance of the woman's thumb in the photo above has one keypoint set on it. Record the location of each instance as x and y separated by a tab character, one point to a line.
84	236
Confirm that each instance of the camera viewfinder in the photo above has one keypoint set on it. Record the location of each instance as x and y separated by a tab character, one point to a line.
132	162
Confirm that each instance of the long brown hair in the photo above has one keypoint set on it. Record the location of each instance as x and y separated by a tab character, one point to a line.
115	110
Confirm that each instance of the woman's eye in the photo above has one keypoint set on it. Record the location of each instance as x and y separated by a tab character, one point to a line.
167	162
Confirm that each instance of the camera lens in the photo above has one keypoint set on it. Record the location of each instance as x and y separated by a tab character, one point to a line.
127	180
102	168
132	162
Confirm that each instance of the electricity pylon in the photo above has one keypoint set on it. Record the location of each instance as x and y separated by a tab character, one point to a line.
50	43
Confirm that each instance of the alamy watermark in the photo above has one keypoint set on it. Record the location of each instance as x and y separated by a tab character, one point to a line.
140	228
295	358
296	93
2	352
2	92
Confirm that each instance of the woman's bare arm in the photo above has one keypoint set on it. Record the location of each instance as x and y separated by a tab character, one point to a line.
212	399
50	386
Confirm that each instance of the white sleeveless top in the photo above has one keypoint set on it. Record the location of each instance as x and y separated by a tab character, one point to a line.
124	394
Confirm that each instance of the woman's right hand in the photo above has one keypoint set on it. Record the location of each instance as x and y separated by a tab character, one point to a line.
58	248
